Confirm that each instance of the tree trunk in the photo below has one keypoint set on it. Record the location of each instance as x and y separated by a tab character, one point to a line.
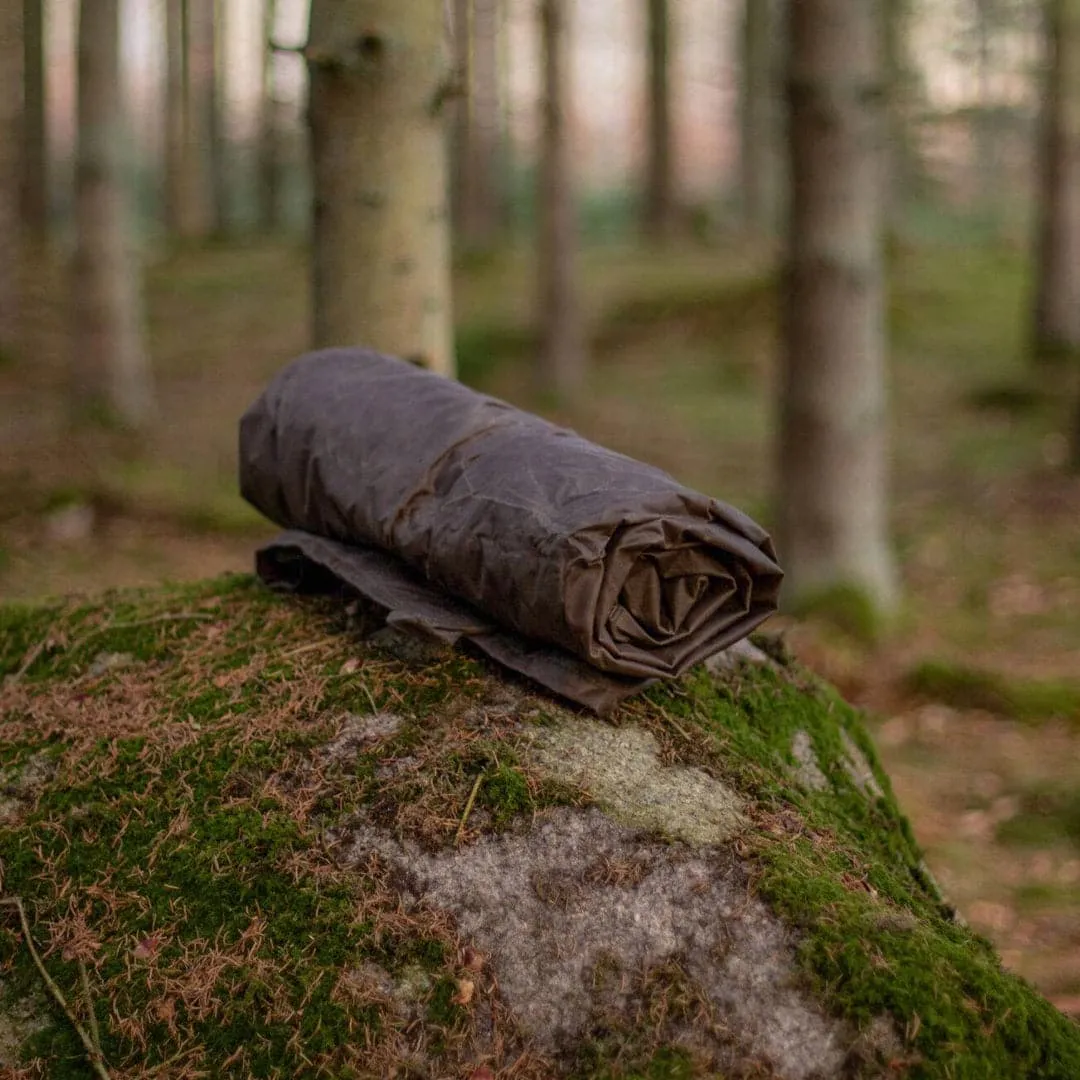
35	175
562	337
757	116
179	180
379	79
269	142
1057	269
659	185
986	136
478	147
110	370
1074	455
898	80
832	447
217	117
202	116
11	59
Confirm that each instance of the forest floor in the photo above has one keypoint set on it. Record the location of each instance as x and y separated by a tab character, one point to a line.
975	692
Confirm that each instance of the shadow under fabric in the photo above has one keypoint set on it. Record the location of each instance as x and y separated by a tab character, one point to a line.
464	517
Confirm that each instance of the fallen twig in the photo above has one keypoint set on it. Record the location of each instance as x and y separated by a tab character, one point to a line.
28	660
311	646
90	1044
468	808
370	697
95	1031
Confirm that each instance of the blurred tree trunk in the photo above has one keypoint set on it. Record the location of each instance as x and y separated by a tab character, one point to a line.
832	448
986	137
1074	459
1057	269
562	336
11	59
659	203
898	80
479	203
110	369
203	135
381	273
181	182
217	118
35	175
269	129
757	115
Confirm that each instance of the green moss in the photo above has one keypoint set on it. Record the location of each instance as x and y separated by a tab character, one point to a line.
666	1063
227	882
199	850
875	936
506	793
191	854
971	688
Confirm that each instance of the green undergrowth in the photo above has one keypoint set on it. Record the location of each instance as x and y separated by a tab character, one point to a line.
1030	700
175	765
848	608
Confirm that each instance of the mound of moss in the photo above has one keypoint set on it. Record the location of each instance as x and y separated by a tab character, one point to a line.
250	841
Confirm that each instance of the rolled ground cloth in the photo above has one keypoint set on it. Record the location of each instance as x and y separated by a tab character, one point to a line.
460	516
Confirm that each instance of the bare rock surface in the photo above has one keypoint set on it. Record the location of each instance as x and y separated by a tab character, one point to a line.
581	915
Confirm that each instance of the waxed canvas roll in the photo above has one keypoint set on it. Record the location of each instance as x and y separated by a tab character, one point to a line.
471	518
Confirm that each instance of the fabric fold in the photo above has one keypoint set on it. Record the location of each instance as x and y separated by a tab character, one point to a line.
581	568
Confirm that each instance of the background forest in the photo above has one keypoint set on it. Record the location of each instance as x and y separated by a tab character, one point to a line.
643	214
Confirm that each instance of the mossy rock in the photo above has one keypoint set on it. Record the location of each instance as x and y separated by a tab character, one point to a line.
251	843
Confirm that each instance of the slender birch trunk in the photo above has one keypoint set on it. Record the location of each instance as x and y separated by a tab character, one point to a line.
379	75
833	529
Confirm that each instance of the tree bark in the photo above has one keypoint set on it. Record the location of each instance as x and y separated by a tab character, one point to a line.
11	60
1074	450
757	116
179	180
35	174
562	336
379	79
217	118
898	79
659	203
110	369
269	142
478	143
1057	268
832	447
986	136
202	117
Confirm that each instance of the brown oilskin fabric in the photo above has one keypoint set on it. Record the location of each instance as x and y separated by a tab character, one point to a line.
463	517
